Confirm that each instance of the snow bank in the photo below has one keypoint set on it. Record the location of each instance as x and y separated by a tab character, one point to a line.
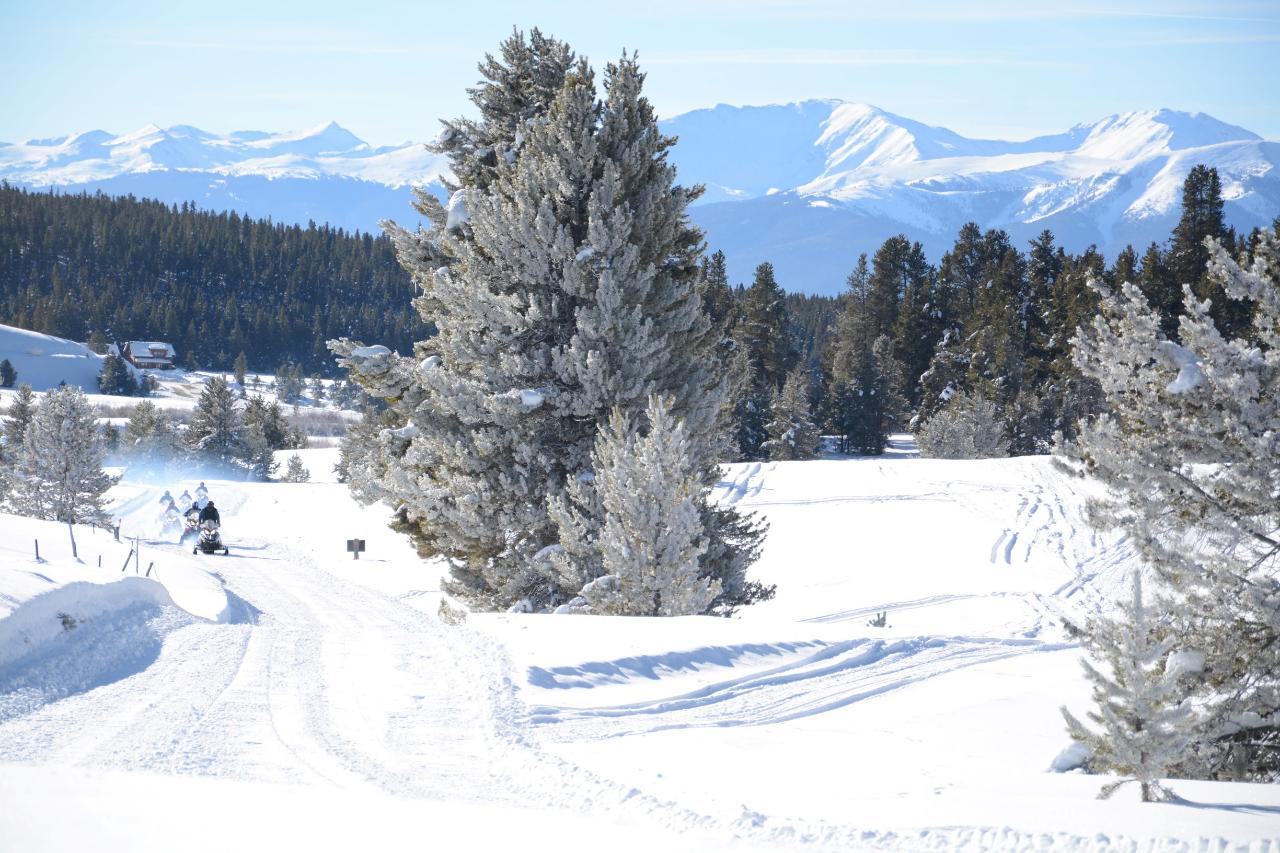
80	636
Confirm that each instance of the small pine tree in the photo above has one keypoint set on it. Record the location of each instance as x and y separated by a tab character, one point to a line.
792	434
317	391
59	473
289	382
651	541
296	472
240	368
1143	726
151	438
8	375
21	411
257	453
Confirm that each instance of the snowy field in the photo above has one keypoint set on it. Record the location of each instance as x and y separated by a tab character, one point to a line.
290	697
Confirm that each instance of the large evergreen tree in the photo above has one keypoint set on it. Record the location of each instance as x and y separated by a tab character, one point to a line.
563	280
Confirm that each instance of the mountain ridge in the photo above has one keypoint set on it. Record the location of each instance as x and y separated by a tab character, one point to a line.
806	185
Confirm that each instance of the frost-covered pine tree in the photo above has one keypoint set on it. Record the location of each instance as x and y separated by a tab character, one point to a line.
1188	453
1143	725
562	279
217	428
652	539
295	471
792	433
58	475
8	375
966	427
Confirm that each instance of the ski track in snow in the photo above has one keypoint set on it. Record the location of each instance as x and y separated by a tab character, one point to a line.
831	678
326	682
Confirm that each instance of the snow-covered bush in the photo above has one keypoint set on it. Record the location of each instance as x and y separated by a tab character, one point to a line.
966	427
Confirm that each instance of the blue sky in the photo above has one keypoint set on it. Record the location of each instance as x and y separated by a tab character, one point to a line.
388	70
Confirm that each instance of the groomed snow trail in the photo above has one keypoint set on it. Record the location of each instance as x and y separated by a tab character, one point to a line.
323	681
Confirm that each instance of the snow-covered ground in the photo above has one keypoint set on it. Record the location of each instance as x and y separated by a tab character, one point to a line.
320	704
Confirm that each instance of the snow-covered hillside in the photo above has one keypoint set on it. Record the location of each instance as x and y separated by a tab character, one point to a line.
44	361
807	186
331	709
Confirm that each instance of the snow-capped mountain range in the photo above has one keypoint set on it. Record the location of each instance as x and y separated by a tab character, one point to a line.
807	185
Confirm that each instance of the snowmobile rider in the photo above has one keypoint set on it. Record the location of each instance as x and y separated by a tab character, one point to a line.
210	513
185	498
166	498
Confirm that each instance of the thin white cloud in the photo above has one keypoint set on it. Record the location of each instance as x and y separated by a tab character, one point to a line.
868	57
294	46
945	11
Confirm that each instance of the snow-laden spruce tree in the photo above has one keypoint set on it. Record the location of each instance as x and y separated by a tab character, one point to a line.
1144	726
966	427
58	475
562	279
792	433
1188	453
652	539
217	428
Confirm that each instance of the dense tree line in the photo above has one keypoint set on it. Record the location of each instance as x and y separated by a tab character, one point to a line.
212	284
983	337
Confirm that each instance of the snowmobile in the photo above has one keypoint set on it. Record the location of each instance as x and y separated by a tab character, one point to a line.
170	521
210	542
190	525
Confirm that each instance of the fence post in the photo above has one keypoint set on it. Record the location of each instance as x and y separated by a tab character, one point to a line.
75	552
149	566
37	550
126	561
